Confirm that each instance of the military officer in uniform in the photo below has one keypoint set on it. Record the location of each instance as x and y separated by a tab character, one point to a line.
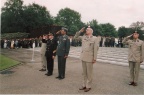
135	56
43	58
62	52
51	45
90	45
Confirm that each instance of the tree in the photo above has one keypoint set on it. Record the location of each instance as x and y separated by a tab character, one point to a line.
137	25
36	16
11	16
70	19
18	18
108	30
73	29
141	34
123	31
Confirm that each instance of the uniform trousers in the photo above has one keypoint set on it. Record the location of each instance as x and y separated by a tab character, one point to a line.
50	64
61	66
134	70
43	59
87	74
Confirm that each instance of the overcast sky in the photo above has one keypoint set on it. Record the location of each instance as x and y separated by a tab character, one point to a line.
116	12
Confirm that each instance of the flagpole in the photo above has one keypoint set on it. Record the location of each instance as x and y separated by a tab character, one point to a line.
33	52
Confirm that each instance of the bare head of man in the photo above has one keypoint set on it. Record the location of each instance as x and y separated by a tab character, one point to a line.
89	31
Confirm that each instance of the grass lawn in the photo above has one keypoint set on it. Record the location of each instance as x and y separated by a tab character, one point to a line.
6	62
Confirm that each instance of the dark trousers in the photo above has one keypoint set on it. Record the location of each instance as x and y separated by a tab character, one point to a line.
50	64
61	66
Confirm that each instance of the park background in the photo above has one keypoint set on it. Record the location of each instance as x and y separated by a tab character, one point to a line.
20	17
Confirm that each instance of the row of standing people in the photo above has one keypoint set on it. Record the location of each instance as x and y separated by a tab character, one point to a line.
55	45
61	47
103	42
20	43
106	41
110	42
90	45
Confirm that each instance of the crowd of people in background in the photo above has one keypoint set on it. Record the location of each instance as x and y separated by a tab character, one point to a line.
20	43
28	42
103	42
110	42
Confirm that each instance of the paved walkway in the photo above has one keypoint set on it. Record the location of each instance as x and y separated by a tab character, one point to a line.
117	56
27	79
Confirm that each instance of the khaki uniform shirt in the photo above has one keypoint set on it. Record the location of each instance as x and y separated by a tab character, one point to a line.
136	49
90	47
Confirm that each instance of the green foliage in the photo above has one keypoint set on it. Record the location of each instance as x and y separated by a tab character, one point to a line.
96	28
11	16
70	19
36	16
102	29
14	35
73	29
141	34
108	30
123	32
16	17
68	16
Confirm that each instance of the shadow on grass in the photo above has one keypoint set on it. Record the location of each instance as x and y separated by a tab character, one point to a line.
7	72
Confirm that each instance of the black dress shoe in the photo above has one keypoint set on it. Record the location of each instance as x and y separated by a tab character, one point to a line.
49	74
131	83
134	84
82	88
42	70
57	77
61	78
87	89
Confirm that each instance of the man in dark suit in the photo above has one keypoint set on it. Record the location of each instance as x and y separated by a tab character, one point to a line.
62	52
2	43
51	45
